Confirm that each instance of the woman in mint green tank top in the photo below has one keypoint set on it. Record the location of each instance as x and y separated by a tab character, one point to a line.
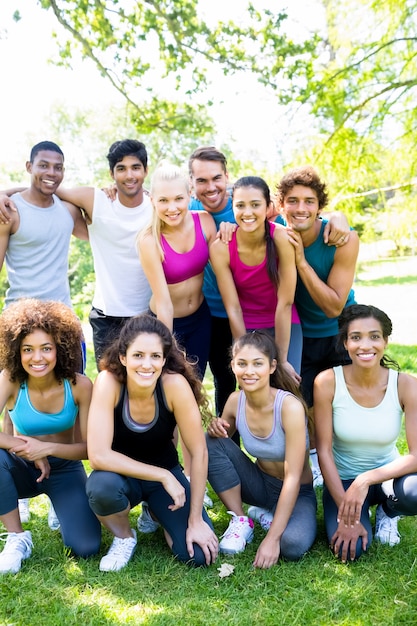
358	412
48	402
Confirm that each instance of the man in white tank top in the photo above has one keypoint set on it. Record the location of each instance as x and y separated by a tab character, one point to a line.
121	289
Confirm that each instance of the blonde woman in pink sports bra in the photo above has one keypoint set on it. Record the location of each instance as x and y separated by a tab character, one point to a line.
174	251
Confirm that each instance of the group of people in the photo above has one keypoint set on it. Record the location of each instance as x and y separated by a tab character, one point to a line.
188	275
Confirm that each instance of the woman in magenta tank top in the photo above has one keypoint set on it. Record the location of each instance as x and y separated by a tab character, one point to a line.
256	272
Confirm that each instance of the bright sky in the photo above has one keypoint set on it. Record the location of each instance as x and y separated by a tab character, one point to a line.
31	85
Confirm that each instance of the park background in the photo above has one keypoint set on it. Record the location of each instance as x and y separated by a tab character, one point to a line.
328	82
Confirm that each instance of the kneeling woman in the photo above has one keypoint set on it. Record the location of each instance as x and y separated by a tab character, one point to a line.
358	411
145	389
271	419
48	401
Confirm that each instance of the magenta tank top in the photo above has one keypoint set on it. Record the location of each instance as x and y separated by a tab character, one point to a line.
179	266
257	294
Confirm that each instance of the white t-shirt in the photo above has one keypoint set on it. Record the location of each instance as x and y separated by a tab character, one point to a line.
122	289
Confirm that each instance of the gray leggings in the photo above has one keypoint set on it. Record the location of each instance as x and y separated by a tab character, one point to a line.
401	499
110	493
229	466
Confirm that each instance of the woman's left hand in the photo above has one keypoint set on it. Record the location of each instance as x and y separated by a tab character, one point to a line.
30	449
268	553
350	509
201	533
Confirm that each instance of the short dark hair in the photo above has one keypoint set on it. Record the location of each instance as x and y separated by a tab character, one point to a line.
207	153
45	145
307	177
127	147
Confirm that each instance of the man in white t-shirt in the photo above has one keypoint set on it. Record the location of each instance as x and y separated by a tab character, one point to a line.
122	289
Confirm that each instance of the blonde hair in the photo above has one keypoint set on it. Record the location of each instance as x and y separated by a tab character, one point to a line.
164	172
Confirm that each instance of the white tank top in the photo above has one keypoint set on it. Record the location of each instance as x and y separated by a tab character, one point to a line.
121	289
364	438
37	253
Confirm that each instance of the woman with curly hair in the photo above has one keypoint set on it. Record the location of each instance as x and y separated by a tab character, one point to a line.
145	389
48	404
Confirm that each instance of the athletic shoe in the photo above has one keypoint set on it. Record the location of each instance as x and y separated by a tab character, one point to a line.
24	511
18	547
238	534
53	521
146	523
208	502
317	477
119	554
263	516
386	530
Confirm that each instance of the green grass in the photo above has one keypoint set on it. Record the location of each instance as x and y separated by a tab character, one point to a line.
53	588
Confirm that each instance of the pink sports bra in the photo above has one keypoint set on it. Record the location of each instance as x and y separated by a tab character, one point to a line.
179	266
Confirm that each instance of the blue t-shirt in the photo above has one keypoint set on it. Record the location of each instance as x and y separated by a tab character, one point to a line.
210	288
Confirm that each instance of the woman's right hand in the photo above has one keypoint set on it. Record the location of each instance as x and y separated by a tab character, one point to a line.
111	192
218	428
175	490
345	539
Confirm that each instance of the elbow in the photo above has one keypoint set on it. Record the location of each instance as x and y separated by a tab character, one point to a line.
96	460
333	309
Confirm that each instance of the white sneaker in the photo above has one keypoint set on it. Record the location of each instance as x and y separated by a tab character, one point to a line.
238	534
24	512
208	502
146	523
18	547
263	516
317	477
119	554
53	521
386	530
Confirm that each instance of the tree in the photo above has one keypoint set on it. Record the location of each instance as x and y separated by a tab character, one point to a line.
143	45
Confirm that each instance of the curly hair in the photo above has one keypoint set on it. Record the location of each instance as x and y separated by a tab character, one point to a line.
307	177
175	359
56	319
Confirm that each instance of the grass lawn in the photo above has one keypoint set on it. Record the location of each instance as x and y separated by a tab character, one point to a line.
381	588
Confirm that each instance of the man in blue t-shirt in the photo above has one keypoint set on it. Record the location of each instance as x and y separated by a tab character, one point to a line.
209	179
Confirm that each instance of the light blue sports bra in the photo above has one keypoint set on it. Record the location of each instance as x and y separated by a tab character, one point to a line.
29	421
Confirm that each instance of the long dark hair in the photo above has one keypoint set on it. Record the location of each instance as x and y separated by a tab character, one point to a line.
271	252
365	311
175	359
279	379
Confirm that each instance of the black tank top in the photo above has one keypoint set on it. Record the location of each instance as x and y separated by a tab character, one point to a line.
152	443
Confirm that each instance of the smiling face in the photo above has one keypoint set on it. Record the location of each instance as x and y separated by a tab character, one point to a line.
129	175
38	353
144	359
252	368
250	208
170	199
209	181
365	342
301	208
46	171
